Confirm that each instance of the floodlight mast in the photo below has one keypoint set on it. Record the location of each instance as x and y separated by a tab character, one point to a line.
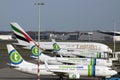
114	37
38	72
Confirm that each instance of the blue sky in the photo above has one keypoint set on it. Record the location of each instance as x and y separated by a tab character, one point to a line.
61	15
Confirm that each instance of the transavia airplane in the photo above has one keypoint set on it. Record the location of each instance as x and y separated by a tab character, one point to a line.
24	39
72	71
82	53
65	60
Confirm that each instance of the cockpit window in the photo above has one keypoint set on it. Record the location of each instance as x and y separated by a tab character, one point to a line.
70	50
110	69
110	55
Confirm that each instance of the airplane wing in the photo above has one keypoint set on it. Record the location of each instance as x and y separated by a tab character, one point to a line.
71	74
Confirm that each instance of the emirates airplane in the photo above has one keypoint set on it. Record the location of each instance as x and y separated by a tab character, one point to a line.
71	71
24	39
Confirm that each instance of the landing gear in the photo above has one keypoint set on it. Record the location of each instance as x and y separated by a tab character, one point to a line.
61	77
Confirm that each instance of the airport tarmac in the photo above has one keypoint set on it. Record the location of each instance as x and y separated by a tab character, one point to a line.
7	73
11	74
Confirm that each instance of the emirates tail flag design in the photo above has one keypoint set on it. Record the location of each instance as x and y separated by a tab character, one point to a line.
21	34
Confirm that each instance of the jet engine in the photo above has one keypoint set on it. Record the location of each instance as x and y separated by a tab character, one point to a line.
74	76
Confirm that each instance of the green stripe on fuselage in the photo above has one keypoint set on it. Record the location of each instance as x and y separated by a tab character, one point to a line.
89	70
98	55
92	61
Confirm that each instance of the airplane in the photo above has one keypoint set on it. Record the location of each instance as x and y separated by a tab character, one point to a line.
66	60
6	37
112	33
81	53
24	39
115	34
72	71
61	60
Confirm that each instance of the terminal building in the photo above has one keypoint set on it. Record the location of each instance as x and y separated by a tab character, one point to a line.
80	36
90	36
97	36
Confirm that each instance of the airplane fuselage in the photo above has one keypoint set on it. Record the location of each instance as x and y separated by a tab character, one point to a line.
78	61
89	46
69	69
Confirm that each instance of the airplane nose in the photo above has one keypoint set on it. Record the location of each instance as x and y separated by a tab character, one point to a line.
109	63
114	72
110	50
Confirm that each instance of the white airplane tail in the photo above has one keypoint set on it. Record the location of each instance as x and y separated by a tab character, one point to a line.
22	37
14	57
56	47
36	51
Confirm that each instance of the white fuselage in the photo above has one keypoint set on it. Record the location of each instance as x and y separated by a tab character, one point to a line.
75	46
95	50
83	53
67	69
78	61
87	46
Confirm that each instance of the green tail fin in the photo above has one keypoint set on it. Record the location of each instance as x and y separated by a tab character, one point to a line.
56	47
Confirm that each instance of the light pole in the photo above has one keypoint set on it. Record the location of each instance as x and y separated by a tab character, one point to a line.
38	75
114	41
89	35
114	37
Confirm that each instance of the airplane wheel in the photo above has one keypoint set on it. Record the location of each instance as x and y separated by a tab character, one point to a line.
61	77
